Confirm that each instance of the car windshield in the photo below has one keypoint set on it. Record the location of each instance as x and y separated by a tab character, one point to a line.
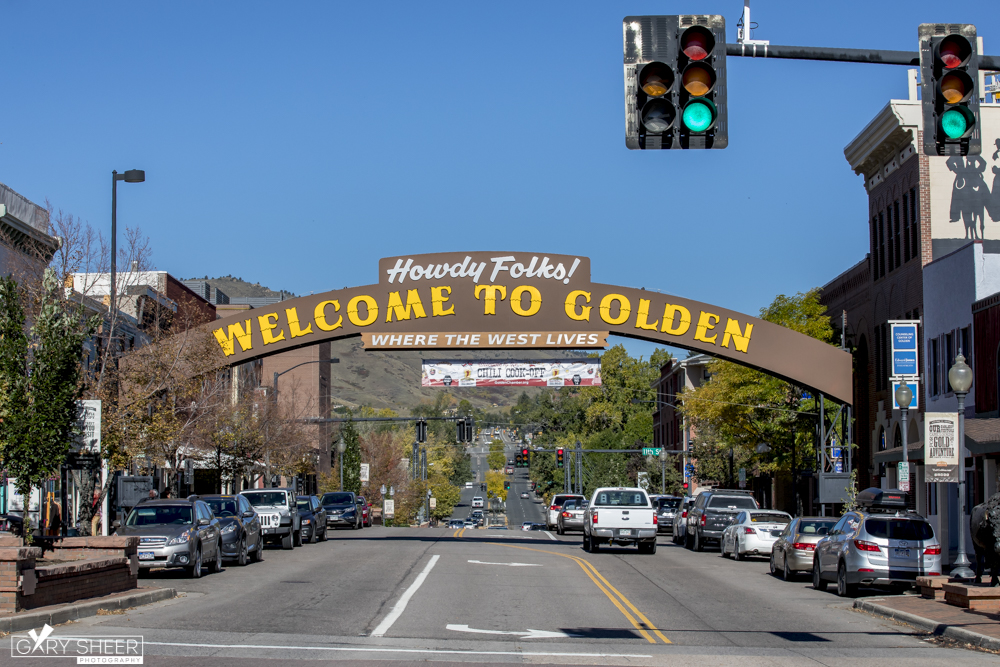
266	498
179	515
769	517
899	529
622	498
733	502
669	503
337	499
816	527
222	507
304	505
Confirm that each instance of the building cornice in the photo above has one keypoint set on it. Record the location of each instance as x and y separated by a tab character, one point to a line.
893	128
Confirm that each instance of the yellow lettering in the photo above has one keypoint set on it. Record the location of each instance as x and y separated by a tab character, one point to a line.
740	339
293	324
237	332
320	316
706	322
266	325
515	300
642	315
438	299
624	309
395	306
491	296
571	299
683	322
355	317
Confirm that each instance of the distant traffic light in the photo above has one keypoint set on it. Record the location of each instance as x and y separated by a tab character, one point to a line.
685	485
470	429
421	430
460	428
675	82
559	457
517	461
506	485
525	458
949	73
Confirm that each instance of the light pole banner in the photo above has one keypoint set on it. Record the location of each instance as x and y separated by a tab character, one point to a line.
903	358
556	373
941	446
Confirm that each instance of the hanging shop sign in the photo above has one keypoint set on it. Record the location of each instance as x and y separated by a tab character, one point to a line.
941	447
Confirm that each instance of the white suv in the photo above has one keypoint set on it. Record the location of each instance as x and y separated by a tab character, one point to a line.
477	501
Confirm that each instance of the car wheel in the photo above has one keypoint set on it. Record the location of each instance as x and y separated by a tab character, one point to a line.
698	546
297	537
818	582
586	542
287	541
736	550
313	535
216	565
647	547
786	573
770	565
195	570
560	530
844	589
722	549
322	537
258	552
243	558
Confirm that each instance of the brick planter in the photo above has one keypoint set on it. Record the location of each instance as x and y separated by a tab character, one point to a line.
978	597
931	587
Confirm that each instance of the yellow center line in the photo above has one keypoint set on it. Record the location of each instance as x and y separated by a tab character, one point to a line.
588	567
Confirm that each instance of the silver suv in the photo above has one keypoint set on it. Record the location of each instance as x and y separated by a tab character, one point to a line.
680	521
175	533
279	515
882	544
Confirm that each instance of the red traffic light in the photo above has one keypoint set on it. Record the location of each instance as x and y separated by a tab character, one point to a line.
953	51
524	452
697	42
559	451
685	485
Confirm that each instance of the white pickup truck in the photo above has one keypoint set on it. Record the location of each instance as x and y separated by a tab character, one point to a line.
620	515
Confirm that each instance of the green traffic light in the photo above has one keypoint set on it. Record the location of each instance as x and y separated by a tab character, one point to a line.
698	116
953	122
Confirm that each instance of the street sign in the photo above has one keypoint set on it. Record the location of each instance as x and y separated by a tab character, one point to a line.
941	447
914	386
365	467
903	357
651	451
88	440
388	507
903	476
434	503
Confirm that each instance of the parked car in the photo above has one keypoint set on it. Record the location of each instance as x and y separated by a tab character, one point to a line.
666	507
882	544
552	515
621	515
366	512
712	512
279	515
571	517
753	533
313	519
341	510
679	533
793	551
175	533
242	538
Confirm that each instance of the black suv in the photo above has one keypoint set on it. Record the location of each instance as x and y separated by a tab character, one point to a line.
242	537
712	512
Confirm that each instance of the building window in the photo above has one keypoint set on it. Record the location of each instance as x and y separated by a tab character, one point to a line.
949	359
873	257
897	231
965	343
932	498
934	367
889	239
914	231
906	229
881	245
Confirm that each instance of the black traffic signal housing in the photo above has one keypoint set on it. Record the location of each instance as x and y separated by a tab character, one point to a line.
559	457
526	457
421	430
949	81
517	461
675	82
470	429
506	485
460	428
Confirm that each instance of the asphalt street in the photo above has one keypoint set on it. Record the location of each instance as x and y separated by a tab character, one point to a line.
477	596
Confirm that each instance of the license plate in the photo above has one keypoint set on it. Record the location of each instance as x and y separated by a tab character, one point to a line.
624	531
146	555
901	553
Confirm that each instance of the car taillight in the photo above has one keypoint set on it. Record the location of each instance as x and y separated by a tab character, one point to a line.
933	550
863	545
747	530
684	514
804	546
593	518
865	569
934	574
703	519
656	521
566	514
554	508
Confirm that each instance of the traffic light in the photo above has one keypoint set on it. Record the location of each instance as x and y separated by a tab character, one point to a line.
685	486
559	457
506	485
949	76
517	461
421	430
470	429
675	82
461	430
526	457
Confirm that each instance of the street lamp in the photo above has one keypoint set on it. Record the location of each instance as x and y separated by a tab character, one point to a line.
904	397
960	377
663	471
341	446
274	386
130	176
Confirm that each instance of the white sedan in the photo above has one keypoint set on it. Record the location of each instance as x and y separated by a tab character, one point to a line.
753	533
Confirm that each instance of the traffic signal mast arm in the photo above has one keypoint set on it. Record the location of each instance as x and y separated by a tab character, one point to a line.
877	56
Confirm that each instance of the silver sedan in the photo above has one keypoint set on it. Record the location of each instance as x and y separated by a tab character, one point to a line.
793	552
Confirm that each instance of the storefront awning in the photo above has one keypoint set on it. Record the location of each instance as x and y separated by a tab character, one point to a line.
982	436
915	453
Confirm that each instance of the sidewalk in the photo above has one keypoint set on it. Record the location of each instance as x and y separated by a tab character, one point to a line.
62	613
938	618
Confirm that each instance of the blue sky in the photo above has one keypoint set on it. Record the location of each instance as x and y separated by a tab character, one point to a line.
294	144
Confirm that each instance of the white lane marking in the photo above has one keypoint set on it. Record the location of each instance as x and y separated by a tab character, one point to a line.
551	536
481	562
530	634
397	610
367	649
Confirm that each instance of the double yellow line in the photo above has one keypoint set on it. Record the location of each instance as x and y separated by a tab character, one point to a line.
634	616
459	532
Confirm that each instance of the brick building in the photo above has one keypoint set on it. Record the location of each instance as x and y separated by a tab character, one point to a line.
670	428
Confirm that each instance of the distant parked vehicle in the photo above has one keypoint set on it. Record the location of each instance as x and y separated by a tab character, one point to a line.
175	533
279	515
680	521
793	552
341	510
712	512
242	537
366	511
753	533
666	508
313	519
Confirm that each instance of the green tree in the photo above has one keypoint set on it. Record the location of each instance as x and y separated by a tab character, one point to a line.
496	460
352	457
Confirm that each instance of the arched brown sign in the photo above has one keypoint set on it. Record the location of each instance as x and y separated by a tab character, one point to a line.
516	300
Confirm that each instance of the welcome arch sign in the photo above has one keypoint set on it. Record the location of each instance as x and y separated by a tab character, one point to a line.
517	301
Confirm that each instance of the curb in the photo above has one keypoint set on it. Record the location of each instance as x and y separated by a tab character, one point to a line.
71	612
928	625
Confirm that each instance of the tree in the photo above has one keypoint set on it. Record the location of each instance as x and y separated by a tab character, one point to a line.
496	460
352	458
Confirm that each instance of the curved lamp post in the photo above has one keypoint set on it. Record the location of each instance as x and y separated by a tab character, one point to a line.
960	377
130	176
341	446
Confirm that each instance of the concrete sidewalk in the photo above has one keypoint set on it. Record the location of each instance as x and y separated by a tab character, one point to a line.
938	618
62	613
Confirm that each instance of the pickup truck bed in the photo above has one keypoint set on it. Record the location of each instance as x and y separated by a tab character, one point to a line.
622	516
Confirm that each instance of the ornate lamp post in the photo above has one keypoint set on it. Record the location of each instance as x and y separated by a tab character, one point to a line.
904	397
663	471
341	446
960	377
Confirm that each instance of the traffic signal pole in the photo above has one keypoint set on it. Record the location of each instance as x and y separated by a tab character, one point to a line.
876	56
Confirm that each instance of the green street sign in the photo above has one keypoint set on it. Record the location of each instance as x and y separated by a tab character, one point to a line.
651	451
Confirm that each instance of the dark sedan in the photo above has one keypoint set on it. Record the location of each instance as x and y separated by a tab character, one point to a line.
342	510
313	517
242	538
